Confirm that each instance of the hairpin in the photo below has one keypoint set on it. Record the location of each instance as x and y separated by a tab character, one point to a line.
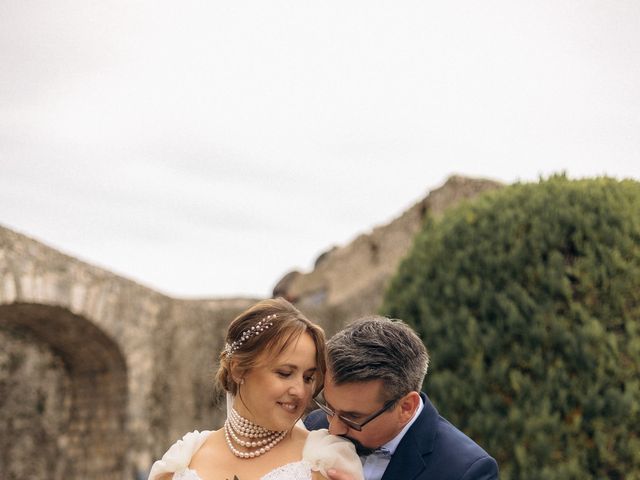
254	331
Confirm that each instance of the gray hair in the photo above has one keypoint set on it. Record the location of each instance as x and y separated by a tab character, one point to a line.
374	348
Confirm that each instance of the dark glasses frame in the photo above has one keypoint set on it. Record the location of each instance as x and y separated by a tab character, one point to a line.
350	423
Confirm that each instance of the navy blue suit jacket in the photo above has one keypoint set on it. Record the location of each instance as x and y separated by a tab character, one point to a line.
432	449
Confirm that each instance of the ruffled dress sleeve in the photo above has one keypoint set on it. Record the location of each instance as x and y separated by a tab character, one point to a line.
324	451
178	457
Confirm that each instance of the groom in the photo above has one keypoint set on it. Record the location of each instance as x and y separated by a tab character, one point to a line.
375	369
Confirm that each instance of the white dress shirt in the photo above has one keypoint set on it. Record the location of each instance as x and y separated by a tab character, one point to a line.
374	465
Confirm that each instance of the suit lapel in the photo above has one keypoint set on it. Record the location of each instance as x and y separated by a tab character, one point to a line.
407	461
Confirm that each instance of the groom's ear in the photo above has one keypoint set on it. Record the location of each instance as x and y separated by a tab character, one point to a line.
408	406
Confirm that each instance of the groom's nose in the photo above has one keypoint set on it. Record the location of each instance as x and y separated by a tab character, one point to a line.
336	427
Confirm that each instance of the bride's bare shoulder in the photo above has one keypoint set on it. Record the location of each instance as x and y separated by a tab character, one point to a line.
210	452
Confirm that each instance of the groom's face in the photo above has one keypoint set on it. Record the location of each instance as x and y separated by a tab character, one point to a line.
358	401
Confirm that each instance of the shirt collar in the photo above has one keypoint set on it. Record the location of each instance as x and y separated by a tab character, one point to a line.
392	444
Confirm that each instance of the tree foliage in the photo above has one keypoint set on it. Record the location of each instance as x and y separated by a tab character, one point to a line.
528	300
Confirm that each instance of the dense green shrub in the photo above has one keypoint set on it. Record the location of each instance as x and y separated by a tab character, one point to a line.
528	300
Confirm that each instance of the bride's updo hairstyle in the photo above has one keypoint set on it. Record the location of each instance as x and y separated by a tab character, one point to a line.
268	327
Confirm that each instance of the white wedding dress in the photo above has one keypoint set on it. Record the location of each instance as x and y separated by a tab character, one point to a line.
321	451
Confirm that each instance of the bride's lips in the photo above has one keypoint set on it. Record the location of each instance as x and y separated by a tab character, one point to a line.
290	407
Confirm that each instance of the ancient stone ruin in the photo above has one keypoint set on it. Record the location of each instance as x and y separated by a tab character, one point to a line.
349	281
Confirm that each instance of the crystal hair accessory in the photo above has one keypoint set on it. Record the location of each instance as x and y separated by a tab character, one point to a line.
254	331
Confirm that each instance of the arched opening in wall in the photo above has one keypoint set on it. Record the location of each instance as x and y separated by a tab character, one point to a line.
63	397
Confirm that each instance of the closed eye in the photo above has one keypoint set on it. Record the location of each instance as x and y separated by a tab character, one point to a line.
352	416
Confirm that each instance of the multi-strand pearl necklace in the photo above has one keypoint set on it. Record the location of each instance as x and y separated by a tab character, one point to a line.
260	440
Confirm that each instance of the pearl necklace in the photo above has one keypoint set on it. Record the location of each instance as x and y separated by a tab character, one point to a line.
237	426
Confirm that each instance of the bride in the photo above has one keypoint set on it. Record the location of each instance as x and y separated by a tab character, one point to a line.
271	367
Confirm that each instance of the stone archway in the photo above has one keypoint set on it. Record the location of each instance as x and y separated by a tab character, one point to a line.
77	418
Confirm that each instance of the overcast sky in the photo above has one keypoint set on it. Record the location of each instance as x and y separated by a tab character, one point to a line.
206	148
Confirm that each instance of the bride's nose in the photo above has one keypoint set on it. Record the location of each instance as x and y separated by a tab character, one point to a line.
297	387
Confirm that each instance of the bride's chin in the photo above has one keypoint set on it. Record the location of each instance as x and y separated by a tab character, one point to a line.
285	423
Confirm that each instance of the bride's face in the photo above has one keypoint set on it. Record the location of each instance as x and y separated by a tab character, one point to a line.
276	392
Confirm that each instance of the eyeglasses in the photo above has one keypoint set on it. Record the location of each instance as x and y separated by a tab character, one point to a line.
350	423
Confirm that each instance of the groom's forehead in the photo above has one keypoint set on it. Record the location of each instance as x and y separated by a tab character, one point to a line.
352	395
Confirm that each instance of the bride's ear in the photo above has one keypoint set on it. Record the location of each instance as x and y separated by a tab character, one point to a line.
237	373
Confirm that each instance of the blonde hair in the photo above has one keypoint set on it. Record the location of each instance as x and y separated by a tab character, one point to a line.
287	323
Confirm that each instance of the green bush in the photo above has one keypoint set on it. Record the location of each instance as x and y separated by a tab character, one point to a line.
528	300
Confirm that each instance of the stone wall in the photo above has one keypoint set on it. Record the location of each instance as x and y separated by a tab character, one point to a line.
114	371
32	379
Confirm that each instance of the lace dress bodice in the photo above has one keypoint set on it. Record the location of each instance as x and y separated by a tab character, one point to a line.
321	452
294	471
291	471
